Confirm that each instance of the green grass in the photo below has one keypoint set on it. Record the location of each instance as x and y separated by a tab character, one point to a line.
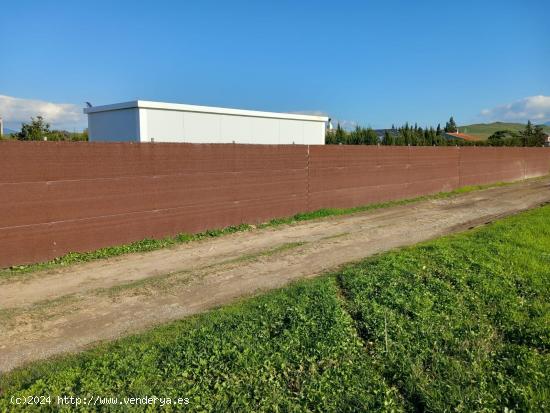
456	324
146	245
290	350
484	130
466	317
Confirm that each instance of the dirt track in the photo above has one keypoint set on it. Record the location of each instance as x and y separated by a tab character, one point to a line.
52	312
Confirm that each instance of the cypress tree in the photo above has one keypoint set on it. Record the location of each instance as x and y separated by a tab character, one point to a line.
450	126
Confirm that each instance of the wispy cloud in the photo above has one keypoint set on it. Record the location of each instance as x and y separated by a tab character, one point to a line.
60	115
344	123
534	108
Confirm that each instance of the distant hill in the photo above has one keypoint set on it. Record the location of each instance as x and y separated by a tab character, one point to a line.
484	130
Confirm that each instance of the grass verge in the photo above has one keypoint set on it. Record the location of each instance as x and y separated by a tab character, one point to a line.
146	245
455	324
462	323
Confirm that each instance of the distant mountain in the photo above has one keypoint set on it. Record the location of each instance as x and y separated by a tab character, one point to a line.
547	123
484	130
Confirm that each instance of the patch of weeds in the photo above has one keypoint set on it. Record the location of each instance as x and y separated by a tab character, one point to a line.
289	350
461	323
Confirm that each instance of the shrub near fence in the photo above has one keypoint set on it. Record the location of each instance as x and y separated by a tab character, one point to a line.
58	197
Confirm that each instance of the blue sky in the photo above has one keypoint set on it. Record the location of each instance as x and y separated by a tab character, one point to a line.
370	62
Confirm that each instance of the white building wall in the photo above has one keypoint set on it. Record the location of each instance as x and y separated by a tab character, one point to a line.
235	128
201	127
114	126
194	127
291	131
265	130
163	124
312	132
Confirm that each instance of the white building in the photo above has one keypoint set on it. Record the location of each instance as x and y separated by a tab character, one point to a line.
143	121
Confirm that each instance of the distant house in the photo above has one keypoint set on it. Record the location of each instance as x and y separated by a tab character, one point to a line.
461	136
546	140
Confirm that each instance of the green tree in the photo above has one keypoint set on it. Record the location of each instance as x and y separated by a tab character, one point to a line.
497	138
329	137
532	135
370	137
450	126
538	136
504	138
340	136
34	131
388	138
527	133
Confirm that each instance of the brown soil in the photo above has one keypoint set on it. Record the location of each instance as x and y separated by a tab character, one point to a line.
65	310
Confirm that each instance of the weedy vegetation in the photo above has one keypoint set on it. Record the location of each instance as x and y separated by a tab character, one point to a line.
456	324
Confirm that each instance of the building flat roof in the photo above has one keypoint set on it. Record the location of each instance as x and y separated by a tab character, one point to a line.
144	104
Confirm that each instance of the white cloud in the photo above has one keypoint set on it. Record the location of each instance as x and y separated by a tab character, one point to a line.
344	123
60	115
533	108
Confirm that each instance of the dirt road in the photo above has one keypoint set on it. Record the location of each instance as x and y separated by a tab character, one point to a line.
58	311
